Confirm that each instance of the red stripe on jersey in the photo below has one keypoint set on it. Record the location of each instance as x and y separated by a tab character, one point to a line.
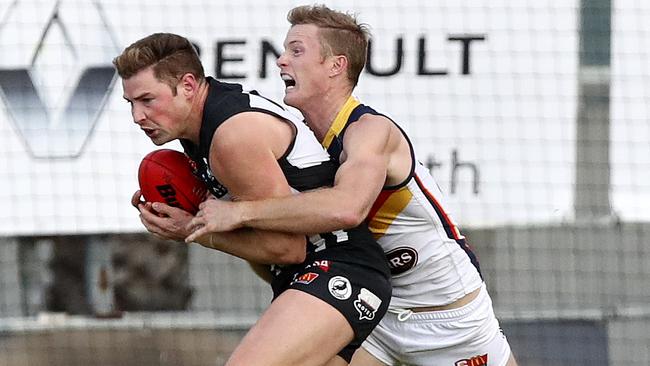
381	199
449	226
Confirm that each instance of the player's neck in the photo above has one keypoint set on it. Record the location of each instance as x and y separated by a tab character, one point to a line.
195	117
323	113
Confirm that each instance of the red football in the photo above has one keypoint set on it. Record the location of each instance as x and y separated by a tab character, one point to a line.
166	176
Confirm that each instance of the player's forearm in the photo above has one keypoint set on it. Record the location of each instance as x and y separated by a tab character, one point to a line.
312	212
258	247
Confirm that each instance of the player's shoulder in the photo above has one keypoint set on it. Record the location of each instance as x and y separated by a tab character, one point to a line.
369	126
252	131
246	125
374	118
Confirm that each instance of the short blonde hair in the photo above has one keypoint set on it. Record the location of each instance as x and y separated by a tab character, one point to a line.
340	34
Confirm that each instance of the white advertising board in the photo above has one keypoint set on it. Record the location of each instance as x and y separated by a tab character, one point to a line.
487	91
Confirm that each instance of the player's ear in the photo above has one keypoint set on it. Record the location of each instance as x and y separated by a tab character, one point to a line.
339	65
188	84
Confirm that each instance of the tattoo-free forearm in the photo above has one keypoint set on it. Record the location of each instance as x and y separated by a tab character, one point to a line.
258	246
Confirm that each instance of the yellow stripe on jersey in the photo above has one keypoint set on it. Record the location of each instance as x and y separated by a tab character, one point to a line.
340	121
388	212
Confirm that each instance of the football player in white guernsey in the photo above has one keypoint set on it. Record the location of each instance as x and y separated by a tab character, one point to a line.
329	291
440	311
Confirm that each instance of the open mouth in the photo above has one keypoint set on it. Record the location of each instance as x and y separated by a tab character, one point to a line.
288	81
149	131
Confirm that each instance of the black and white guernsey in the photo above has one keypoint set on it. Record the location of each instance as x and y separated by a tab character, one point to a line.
305	164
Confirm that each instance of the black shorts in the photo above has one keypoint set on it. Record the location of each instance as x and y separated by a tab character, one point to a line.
360	293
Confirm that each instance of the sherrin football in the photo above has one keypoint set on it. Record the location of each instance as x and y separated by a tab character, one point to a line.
167	176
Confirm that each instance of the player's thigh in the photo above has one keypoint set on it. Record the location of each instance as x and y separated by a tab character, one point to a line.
364	358
297	329
336	361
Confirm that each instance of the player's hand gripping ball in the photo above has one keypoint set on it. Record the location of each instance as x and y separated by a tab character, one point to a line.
167	176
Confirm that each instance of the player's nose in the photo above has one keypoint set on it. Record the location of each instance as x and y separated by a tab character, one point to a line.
138	115
281	61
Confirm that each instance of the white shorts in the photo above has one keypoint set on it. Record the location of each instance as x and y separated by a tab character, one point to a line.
467	336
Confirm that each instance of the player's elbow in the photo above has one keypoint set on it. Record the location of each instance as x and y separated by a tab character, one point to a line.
292	258
350	217
292	250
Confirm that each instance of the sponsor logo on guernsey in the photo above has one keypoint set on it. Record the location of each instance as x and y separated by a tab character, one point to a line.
480	360
367	304
401	259
305	278
322	264
340	287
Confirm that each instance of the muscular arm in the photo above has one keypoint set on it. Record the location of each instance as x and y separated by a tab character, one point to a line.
243	158
359	179
169	222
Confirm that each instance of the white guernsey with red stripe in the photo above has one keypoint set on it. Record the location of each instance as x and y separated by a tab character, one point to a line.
431	263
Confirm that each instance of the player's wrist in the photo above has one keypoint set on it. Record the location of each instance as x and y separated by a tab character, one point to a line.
244	214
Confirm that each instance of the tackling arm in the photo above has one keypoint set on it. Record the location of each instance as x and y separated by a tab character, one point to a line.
359	180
